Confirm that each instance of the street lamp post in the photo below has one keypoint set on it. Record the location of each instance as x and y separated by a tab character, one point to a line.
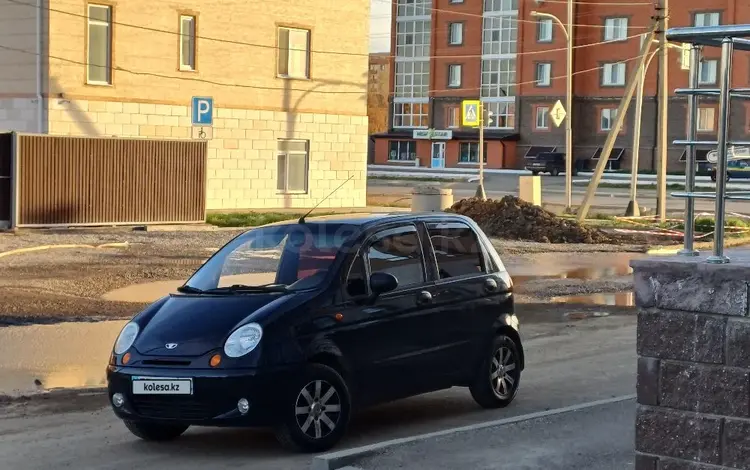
568	31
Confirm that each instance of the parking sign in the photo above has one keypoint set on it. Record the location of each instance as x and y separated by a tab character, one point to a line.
203	111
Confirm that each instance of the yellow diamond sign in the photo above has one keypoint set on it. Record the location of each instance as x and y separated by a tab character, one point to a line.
558	113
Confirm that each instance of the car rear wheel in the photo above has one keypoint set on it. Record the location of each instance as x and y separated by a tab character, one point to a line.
315	413
496	382
154	431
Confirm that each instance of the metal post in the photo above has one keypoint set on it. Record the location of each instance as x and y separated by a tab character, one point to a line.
480	189
721	165
663	14
688	242
569	117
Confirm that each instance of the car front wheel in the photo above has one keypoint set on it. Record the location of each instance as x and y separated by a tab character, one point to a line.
496	382
315	413
155	432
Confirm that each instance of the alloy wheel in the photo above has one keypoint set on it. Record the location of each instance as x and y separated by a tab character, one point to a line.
502	374
318	409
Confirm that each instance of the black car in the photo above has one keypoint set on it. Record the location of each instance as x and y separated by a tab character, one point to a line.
293	325
548	162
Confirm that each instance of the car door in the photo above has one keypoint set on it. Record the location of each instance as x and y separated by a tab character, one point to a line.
462	294
382	340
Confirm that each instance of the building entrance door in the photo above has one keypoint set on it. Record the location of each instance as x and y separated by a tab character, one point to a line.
438	155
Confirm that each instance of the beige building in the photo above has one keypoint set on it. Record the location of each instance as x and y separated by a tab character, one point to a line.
288	83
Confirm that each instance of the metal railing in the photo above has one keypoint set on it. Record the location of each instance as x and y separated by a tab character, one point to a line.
728	38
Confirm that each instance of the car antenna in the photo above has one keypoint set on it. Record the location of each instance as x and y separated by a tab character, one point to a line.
302	219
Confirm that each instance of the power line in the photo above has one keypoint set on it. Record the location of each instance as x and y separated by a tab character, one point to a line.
188	79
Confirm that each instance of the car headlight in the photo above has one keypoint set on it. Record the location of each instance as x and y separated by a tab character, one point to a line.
126	338
243	340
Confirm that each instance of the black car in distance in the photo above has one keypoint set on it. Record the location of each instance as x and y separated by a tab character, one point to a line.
296	324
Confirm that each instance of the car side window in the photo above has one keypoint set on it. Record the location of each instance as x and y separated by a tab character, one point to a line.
457	250
398	252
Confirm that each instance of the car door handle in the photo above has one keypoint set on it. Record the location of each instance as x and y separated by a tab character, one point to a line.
490	285
424	298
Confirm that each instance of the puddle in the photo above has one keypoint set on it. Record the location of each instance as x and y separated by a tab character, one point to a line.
66	355
588	269
620	299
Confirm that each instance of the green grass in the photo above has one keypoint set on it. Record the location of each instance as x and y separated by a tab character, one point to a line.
670	186
253	219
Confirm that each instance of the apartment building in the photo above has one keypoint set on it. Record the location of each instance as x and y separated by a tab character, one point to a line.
378	92
447	51
287	83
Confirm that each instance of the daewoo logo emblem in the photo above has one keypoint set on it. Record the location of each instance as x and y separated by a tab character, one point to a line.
170	345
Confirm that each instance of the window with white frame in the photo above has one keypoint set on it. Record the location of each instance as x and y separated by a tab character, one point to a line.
456	34
543	74
503	114
500	35
410	114
412	79
401	150
707	71
542	117
468	152
707	19
187	42
452	117
294	53
454	75
615	29
292	160
608	116
99	45
706	119
501	6
498	78
457	1
413	8
613	74
544	30
413	38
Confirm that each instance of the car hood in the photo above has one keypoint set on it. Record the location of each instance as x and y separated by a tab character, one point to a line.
199	324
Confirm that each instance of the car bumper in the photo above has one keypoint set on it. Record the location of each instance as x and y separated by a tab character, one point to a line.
213	400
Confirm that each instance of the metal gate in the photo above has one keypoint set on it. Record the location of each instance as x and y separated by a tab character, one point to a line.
6	169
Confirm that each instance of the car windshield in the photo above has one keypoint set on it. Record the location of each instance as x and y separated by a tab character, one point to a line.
272	259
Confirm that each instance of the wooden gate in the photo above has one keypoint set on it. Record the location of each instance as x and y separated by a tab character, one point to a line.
109	181
6	168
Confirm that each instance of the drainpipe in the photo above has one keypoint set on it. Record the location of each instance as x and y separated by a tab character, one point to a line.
39	99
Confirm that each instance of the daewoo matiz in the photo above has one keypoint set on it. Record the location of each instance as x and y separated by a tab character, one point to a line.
294	325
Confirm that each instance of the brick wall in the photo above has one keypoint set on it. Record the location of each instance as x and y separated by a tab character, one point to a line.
693	364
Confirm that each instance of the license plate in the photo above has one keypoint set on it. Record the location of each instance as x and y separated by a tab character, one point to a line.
162	386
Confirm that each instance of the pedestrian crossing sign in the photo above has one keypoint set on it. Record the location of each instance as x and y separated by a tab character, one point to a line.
470	114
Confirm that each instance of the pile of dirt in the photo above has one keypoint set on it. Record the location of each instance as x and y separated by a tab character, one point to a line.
513	219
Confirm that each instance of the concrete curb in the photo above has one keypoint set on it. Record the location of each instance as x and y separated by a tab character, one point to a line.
51	247
342	459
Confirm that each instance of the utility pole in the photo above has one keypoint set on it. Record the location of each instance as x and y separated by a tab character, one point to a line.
662	13
569	117
633	210
481	194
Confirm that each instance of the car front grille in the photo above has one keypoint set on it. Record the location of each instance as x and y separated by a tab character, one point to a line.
173	407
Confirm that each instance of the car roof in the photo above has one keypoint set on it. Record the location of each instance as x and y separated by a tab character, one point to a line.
366	219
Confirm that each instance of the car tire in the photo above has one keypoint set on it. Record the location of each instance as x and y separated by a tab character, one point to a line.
154	431
491	390
310	430
713	178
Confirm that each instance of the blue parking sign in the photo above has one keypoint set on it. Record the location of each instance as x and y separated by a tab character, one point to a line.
203	111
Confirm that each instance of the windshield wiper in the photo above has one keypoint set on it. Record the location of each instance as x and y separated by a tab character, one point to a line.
244	288
189	290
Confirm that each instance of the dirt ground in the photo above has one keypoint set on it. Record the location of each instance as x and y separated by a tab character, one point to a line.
66	284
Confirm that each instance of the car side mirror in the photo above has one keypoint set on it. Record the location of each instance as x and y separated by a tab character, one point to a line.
380	283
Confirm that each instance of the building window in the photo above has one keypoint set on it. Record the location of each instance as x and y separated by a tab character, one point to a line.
457	1
503	114
544	30
452	117
615	29
292	165
543	74
187	42
401	150
99	68
613	74
500	35
707	19
412	79
707	71
456	34
608	116
706	117
498	78
410	114
469	152
294	53
413	39
413	8
454	75
542	118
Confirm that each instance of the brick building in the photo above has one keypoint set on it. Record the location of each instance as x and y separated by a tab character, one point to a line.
288	84
495	50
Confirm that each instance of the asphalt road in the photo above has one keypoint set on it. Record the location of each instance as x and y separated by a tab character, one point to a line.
568	364
553	192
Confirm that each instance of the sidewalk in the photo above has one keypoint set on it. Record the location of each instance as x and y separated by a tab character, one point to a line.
596	438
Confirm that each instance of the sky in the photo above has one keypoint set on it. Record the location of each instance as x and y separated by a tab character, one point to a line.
380	25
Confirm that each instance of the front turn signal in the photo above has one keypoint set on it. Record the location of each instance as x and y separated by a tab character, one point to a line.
215	360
